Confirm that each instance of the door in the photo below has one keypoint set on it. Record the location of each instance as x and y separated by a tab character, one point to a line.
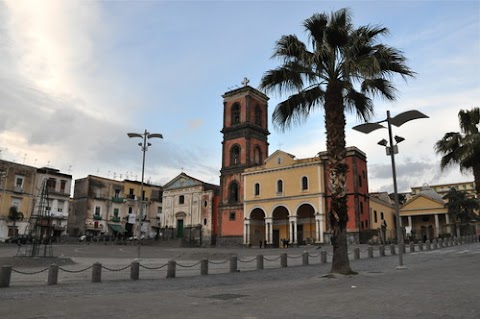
276	238
180	228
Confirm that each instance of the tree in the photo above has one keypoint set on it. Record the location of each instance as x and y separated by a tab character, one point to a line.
460	207
463	148
341	71
14	215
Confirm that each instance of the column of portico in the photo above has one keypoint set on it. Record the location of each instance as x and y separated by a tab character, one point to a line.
268	229
293	229
319	227
437	226
246	232
447	222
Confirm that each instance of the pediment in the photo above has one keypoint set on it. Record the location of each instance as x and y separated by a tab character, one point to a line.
182	181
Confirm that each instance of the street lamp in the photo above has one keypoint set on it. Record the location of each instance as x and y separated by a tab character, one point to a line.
392	149
144	147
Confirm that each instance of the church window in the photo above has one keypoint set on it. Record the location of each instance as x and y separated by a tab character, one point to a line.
279	186
257	156
181	199
258	115
236	113
235	155
234	192
304	183
257	189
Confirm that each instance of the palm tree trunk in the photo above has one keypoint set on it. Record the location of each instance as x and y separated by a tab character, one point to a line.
476	176
337	169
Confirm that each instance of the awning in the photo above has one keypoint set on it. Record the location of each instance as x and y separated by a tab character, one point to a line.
117	228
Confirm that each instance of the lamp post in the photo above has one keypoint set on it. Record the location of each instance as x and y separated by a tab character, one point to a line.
392	149
144	147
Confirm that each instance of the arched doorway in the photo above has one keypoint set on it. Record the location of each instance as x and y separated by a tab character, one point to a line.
257	227
306	231
280	225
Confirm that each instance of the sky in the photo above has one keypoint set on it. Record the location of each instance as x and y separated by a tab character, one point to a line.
77	76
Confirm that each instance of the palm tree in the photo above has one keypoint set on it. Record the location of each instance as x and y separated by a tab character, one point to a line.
463	148
14	215
342	70
460	207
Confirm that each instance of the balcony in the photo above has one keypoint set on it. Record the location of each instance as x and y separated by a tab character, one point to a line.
116	219
117	199
18	189
97	217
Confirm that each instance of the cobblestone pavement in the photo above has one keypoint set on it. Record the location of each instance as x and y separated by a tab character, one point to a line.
441	283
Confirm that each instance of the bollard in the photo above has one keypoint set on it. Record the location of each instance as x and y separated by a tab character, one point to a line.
323	257
356	253
420	245
135	270
434	242
204	267
305	259
283	260
412	247
233	264
427	245
171	268
52	275
392	249
259	262
381	250
5	275
370	252
403	248
97	272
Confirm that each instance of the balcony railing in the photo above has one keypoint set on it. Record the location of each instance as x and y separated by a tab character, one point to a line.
117	199
97	217
115	219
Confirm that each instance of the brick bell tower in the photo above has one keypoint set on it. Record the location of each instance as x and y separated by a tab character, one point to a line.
245	144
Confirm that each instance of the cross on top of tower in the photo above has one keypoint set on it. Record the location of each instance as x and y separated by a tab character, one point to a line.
245	81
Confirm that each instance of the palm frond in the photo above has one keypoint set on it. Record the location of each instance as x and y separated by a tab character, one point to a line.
297	107
359	103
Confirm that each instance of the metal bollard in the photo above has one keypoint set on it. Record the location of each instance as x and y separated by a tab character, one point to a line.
305	259
5	275
392	249
135	270
370	252
283	260
52	275
233	264
323	257
97	272
427	245
259	262
412	247
356	253
204	267
171	268
381	250
434	244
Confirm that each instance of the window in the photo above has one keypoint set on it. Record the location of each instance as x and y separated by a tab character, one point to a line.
63	185
304	183
205	203
231	216
115	212
257	156
117	193
236	113
181	199
359	181
258	115
130	210
235	155
60	205
233	192
375	216
279	186
19	181
159	210
381	215
204	222
257	189
51	184
97	210
279	160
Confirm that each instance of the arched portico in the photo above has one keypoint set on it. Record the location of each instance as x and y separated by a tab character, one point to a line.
255	229
306	230
280	226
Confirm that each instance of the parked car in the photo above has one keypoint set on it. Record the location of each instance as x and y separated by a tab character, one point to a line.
20	239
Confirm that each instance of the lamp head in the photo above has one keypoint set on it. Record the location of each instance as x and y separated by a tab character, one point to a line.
383	142
399	139
134	135
157	135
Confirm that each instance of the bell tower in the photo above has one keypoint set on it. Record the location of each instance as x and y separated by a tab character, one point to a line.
245	144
